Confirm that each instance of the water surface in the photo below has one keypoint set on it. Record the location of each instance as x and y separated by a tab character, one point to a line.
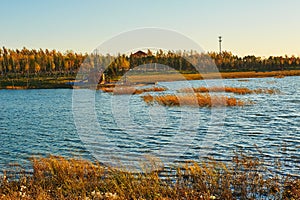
41	122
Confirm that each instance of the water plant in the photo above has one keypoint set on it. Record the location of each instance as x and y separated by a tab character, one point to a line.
236	90
202	100
124	90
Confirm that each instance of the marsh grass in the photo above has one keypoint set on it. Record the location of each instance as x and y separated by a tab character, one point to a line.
128	90
61	178
202	100
146	77
279	76
235	90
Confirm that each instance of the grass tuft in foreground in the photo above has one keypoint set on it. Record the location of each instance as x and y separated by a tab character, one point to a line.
202	100
61	178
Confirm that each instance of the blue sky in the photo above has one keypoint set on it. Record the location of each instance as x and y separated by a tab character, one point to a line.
259	27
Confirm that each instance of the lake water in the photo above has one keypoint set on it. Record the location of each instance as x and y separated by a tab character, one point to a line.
60	122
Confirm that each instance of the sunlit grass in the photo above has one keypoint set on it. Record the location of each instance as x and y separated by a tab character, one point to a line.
279	76
124	90
200	76
202	100
60	178
236	90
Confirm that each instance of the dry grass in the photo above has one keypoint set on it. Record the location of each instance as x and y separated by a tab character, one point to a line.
253	74
265	91
205	100
154	89
150	78
107	89
60	178
243	80
10	87
235	90
124	90
279	76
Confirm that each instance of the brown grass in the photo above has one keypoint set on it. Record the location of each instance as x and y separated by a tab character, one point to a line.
61	178
235	90
131	90
205	100
250	74
10	87
279	76
150	78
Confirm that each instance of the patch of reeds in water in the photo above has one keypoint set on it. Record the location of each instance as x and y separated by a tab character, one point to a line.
202	100
279	76
235	90
128	90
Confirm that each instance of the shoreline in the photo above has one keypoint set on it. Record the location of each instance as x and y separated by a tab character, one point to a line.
70	178
144	79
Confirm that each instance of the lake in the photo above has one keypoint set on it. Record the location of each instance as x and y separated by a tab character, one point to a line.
61	122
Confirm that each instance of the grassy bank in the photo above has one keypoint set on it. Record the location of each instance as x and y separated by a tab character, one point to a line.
146	78
36	82
61	178
225	75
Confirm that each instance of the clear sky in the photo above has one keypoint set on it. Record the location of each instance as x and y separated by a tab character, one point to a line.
259	27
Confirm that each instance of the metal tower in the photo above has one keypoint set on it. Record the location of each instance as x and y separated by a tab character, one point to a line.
220	41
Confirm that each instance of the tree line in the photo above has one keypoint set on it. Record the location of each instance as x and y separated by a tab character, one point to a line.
40	62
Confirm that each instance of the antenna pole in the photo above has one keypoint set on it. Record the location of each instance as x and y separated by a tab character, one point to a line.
220	41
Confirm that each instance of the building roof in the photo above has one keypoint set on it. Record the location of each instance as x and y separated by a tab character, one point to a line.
139	54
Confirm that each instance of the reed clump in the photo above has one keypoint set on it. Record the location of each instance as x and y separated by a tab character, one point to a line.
128	90
235	90
202	100
279	76
61	178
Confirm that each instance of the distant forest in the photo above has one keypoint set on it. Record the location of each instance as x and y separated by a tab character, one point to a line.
32	63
